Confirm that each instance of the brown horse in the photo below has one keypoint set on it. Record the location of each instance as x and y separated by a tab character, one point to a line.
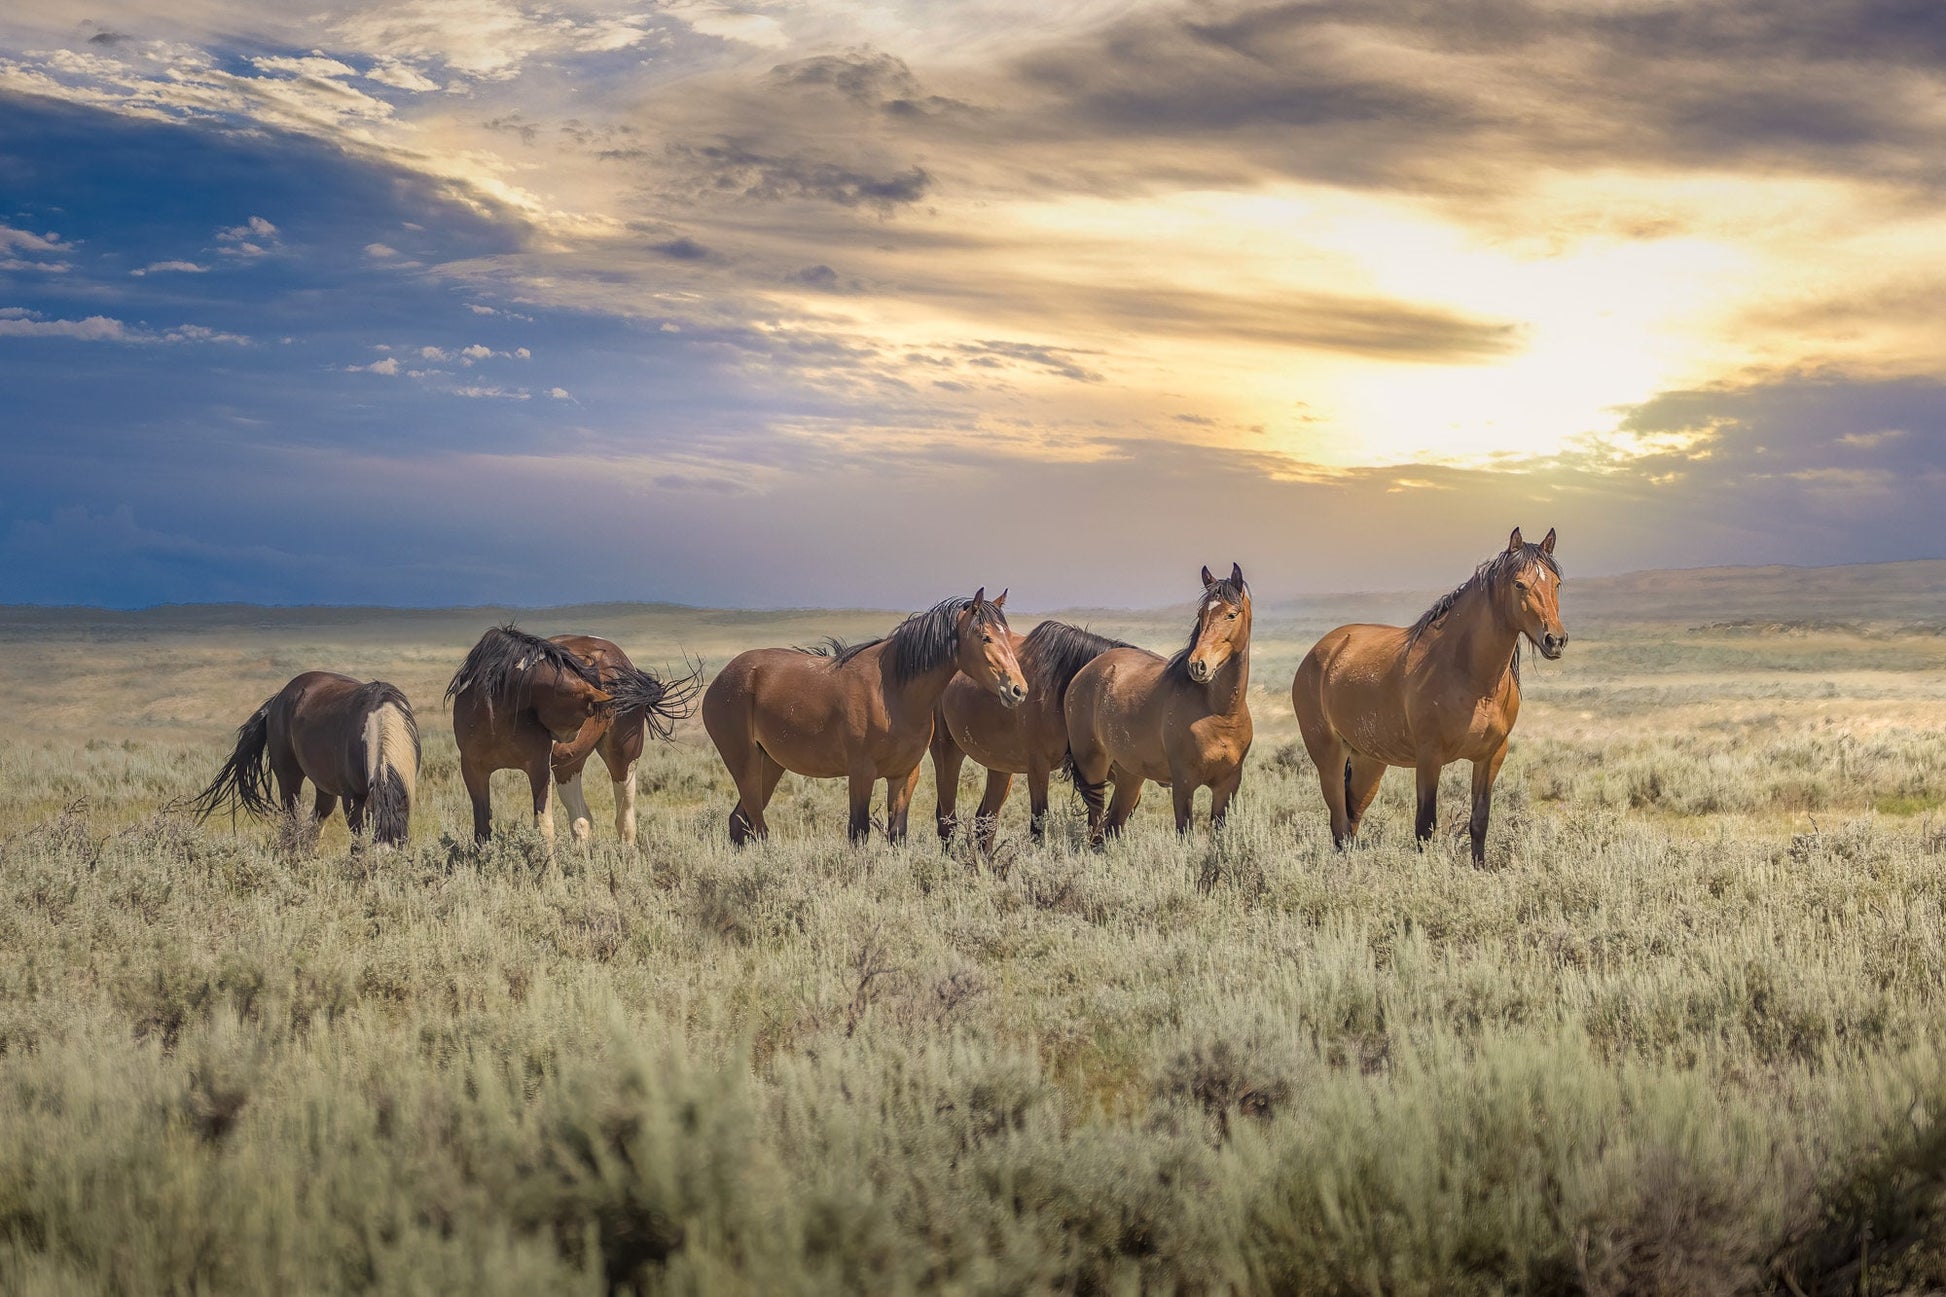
524	703
1444	689
1183	722
1029	739
862	713
620	734
350	738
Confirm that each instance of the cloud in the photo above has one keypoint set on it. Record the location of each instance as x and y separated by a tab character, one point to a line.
170	267
733	169
16	322
388	366
256	237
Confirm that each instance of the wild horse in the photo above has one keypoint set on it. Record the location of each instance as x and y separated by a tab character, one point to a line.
1183	721
1444	689
351	738
542	706
862	713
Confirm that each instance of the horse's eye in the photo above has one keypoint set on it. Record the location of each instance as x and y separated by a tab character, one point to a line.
986	639
1233	616
1520	585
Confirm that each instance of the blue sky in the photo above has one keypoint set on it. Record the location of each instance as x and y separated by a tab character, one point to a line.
459	301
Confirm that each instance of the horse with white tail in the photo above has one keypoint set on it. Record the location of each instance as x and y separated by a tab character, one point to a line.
353	739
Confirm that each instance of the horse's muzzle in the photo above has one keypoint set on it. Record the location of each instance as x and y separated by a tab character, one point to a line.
1552	646
1012	694
1199	671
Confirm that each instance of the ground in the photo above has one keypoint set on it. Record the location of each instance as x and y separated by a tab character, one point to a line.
1681	1034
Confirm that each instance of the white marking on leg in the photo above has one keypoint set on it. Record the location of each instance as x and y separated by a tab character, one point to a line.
544	817
625	806
580	820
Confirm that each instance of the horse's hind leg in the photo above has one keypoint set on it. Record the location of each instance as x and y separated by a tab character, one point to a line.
1334	774
860	825
754	789
321	807
986	823
581	823
1362	776
476	777
947	759
624	802
898	803
1128	793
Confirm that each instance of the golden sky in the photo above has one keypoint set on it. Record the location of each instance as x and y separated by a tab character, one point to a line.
1384	276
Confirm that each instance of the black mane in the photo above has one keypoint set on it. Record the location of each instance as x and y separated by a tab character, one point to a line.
1230	592
660	703
1053	651
1504	566
498	666
921	642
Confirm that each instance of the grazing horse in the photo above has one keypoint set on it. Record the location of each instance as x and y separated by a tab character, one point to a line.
350	738
1444	689
1030	739
524	703
1183	722
862	713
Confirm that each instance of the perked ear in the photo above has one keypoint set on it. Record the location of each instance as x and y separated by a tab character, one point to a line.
1514	541
1236	574
979	596
1547	542
1207	578
599	698
1001	602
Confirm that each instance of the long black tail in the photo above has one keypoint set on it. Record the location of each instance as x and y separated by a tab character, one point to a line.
244	779
661	703
1093	796
1349	808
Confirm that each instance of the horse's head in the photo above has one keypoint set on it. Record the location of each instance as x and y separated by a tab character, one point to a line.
1222	625
986	649
1532	598
564	701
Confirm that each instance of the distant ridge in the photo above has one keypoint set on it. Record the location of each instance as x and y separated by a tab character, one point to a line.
1905	591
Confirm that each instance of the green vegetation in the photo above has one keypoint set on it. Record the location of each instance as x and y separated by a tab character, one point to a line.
1681	1035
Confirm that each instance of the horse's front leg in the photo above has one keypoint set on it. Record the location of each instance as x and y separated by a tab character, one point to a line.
898	802
1220	794
540	780
1485	771
1426	774
476	777
1182	794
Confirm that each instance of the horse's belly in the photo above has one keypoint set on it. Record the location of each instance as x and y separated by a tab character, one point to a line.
997	744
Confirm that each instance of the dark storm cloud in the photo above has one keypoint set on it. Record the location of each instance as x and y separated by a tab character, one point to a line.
869	78
738	170
1399	92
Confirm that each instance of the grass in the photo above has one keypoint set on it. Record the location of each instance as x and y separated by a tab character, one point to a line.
1681	1034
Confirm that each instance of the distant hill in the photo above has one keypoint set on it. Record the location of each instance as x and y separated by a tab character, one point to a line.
1897	594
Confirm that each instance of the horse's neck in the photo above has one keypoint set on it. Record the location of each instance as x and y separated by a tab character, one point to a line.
1483	644
923	691
1230	686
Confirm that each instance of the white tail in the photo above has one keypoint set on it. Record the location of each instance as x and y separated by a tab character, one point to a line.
389	749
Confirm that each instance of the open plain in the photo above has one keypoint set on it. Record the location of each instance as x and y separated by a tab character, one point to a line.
1681	1034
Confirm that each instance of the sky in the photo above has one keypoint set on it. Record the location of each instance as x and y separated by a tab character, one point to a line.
792	303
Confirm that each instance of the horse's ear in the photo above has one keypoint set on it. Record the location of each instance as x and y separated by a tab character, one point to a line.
1207	578
599	698
1514	541
1236	574
979	597
1547	542
1000	601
